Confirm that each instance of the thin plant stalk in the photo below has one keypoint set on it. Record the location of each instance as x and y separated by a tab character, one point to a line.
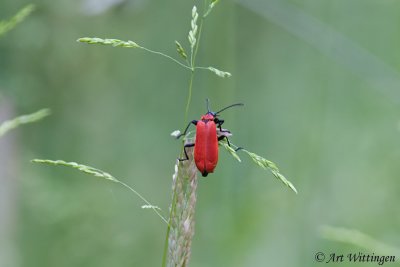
178	240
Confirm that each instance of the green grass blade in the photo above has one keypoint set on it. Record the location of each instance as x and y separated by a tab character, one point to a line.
8	25
359	239
24	119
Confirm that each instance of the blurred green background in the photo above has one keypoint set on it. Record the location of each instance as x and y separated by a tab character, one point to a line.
320	80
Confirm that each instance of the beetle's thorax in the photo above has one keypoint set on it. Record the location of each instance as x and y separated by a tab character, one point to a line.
208	117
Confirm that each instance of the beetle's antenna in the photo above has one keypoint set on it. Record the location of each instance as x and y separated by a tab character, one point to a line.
233	105
208	105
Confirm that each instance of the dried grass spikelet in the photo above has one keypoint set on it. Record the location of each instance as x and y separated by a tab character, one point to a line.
182	212
193	29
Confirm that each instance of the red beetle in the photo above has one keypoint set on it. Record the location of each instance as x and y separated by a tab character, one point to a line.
207	137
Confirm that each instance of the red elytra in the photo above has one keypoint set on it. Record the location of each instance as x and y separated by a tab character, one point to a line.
207	137
206	145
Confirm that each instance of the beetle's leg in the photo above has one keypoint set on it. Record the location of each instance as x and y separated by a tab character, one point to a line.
219	123
229	144
184	149
222	138
187	127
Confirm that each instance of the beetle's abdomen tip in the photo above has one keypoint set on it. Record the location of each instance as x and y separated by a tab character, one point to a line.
204	174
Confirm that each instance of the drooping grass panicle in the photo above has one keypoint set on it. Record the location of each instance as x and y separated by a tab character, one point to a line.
220	73
24	119
261	162
83	168
230	150
7	25
112	42
127	44
101	174
269	165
